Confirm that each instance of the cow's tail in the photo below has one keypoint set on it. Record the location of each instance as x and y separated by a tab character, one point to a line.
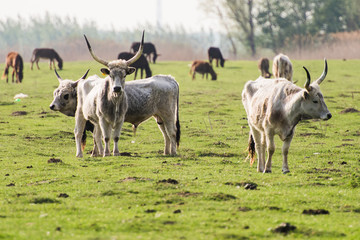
83	140
20	67
178	132
251	149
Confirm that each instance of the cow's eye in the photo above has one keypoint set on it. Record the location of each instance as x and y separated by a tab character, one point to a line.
66	96
315	101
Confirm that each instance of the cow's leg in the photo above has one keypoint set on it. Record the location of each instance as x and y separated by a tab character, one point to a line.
285	151
270	144
106	134
78	131
161	126
135	73
12	76
117	131
37	64
51	62
32	63
193	76
217	62
98	148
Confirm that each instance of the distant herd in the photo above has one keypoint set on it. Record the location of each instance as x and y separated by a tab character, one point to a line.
274	106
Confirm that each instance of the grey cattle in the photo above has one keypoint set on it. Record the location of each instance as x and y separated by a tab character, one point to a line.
263	65
282	67
275	107
104	105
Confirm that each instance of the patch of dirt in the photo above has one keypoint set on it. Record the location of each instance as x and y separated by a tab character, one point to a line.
44	200
126	154
54	160
246	185
349	110
169	180
177	211
19	113
315	211
345	145
221	144
133	179
221	197
150	211
274	208
188	194
284	228
63	195
244	209
169	222
323	170
210	154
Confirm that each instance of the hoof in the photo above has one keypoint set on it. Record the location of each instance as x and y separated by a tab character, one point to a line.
116	154
286	171
267	171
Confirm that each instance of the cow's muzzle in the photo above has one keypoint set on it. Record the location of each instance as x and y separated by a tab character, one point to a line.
117	89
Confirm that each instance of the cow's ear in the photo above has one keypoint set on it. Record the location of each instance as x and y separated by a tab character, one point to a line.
105	71
306	95
130	70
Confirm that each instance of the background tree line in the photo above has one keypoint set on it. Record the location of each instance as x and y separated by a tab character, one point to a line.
284	25
301	28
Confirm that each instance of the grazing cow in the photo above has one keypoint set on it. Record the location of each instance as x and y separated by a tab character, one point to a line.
47	53
275	106
282	67
263	66
149	48
157	96
215	53
202	67
141	63
15	61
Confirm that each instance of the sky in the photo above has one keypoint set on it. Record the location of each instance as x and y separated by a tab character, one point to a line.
117	14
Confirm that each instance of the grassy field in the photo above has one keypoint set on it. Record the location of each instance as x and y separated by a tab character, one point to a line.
48	193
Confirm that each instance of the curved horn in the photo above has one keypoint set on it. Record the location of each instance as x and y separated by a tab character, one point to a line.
323	75
83	77
93	55
139	52
308	80
58	77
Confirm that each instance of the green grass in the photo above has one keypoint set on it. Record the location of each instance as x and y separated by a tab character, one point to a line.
131	197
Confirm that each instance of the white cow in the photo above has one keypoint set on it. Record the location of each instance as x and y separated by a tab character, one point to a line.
275	107
282	67
104	105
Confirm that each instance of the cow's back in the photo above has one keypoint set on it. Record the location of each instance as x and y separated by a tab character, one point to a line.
148	96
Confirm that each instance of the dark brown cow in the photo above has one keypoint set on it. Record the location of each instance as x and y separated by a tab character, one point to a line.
202	67
149	48
215	53
47	53
141	63
263	66
15	61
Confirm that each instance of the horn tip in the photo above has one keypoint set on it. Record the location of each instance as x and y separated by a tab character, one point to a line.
142	38
87	42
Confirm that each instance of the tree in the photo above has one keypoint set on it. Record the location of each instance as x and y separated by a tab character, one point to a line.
237	17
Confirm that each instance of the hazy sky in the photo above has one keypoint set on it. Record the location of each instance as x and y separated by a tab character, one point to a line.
117	14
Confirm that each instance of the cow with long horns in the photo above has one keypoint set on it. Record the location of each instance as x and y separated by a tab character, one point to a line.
275	107
105	105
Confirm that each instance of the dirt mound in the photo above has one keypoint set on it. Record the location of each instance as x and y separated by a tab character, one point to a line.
349	110
19	113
